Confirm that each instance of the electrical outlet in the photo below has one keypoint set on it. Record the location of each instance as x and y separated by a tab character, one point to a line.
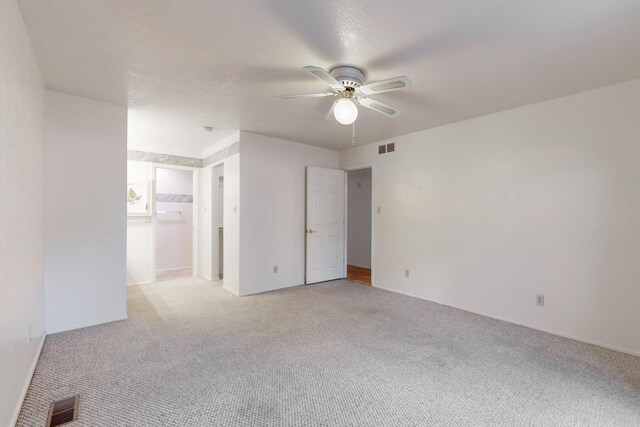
540	300
406	273
275	268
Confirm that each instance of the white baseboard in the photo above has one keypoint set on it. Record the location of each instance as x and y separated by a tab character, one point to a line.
526	325
162	270
230	290
27	382
138	283
87	324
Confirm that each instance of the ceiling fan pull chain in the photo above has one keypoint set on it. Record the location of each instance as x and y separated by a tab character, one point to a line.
353	133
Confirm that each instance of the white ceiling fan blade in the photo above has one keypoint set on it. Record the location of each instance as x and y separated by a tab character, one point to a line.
308	95
388	85
378	106
324	76
330	114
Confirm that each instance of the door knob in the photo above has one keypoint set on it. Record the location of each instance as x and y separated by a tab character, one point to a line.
311	231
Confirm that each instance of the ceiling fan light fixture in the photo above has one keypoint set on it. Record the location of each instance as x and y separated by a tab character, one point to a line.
345	111
347	83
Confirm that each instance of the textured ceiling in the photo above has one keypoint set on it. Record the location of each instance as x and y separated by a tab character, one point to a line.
180	65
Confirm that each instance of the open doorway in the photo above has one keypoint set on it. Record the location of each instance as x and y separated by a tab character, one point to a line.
359	226
217	226
174	223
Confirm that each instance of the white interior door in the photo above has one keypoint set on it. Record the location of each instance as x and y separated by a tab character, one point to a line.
325	224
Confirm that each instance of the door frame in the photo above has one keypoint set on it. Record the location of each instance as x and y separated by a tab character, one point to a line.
195	209
215	231
373	216
306	225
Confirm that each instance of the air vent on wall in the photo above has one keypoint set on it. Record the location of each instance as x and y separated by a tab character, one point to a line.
63	411
387	148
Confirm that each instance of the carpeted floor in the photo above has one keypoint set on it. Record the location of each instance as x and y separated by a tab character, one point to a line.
178	273
331	354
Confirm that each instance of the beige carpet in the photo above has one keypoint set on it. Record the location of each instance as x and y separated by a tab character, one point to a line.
177	273
332	354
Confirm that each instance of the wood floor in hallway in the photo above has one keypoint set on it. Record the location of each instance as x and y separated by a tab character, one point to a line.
359	274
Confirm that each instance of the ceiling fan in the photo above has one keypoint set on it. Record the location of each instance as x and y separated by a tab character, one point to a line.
346	83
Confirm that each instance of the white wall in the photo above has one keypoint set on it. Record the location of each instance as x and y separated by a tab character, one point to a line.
359	218
272	220
231	220
21	232
174	232
85	211
139	232
218	218
210	218
205	218
216	174
542	199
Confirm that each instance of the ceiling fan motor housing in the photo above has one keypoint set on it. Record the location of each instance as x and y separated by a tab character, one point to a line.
349	77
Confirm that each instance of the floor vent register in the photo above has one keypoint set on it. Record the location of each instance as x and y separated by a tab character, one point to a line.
63	411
